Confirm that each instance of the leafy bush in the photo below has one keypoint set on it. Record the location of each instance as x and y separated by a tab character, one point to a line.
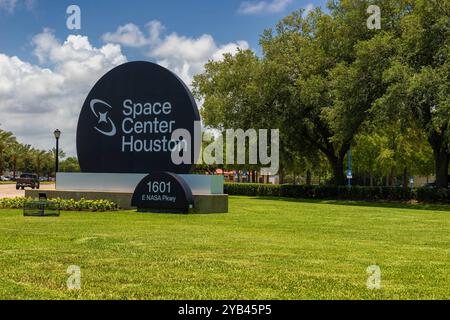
340	192
70	205
252	189
13	203
375	193
437	195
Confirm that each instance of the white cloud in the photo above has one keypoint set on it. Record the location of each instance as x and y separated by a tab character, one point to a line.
155	28
186	56
35	100
261	7
11	5
8	5
309	7
128	35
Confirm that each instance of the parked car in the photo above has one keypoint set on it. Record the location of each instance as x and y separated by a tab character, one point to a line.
28	180
3	178
432	185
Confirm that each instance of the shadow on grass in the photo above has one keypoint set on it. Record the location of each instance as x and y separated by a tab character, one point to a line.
362	203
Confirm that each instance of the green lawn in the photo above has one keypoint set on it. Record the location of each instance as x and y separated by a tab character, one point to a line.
262	249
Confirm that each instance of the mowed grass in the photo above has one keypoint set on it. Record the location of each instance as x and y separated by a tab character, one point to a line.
261	249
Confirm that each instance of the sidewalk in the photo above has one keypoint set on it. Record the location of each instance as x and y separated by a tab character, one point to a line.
9	190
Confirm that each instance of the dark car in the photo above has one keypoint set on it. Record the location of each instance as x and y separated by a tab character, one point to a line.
28	180
432	185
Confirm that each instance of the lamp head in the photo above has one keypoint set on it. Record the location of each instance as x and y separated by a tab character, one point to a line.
57	134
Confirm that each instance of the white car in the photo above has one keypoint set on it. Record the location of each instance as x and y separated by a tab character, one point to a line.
2	178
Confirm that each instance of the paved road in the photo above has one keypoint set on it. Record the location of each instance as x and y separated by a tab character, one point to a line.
9	190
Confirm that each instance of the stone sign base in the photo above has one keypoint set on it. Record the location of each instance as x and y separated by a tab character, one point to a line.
203	203
127	182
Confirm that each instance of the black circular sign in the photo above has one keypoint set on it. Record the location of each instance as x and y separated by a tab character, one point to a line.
163	191
128	120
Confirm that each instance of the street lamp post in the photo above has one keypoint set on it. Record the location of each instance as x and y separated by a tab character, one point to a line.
57	134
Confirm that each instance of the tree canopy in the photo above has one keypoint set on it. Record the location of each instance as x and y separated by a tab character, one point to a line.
17	157
325	78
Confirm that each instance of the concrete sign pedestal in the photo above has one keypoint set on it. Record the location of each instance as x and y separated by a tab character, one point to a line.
207	190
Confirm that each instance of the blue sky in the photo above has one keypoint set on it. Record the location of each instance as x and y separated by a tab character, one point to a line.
221	19
47	70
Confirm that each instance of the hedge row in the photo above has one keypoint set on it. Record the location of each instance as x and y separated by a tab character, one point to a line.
341	192
70	205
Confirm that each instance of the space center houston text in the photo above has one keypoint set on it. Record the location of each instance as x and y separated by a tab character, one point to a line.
157	124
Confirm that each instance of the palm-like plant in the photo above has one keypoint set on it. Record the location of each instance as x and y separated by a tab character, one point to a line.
39	161
26	160
7	139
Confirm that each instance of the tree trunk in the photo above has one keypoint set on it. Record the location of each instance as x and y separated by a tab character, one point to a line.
338	172
371	179
280	177
405	177
442	160
392	178
281	174
337	165
308	177
1	162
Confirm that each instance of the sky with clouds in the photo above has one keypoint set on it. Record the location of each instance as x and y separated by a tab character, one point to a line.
46	70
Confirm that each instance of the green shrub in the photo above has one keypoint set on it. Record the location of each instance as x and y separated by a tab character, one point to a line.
337	192
435	195
13	203
69	205
252	189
